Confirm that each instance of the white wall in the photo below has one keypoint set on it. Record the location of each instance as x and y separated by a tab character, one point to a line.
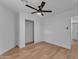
21	30
7	29
54	28
17	29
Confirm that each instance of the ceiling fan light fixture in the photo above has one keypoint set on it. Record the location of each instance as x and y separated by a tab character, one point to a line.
39	13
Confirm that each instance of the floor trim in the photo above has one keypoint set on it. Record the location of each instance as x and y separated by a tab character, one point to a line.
29	42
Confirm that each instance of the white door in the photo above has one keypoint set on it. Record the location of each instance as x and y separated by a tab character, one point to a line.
29	31
74	28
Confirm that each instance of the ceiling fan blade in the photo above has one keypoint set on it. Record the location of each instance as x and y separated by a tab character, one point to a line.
34	12
46	11
31	7
42	4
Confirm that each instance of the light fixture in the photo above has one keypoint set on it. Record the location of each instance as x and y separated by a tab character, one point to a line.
39	13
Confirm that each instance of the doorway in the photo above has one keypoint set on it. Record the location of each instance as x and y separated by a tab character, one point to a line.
74	28
74	37
29	32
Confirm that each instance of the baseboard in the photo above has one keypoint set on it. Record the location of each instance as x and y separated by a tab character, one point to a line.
68	48
16	46
2	53
29	42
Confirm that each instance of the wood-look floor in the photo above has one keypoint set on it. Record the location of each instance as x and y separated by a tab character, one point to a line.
74	49
39	51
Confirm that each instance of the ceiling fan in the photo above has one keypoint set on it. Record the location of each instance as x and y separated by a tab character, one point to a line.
40	9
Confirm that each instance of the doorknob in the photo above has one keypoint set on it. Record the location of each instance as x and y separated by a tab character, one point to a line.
67	27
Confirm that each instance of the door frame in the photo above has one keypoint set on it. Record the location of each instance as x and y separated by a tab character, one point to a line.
31	21
73	22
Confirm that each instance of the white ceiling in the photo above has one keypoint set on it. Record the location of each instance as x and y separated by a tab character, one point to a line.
57	6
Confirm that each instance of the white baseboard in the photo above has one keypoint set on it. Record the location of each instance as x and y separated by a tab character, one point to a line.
61	45
6	50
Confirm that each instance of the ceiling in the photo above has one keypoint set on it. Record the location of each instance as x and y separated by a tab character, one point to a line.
57	6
